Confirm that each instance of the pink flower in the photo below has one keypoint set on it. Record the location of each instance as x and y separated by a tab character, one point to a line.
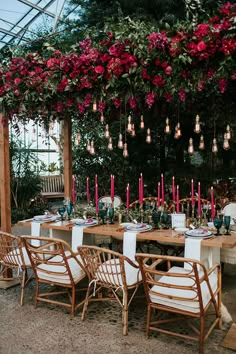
59	107
168	96
132	102
117	102
85	45
202	30
101	106
99	69
150	98
116	49
158	80
87	100
168	70
182	95
81	108
222	83
17	81
201	46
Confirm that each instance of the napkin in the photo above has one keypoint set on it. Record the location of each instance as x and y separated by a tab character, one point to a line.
129	245
35	231
192	250
77	237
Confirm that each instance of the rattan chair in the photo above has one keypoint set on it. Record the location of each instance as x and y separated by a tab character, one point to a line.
229	255
54	262
183	292
14	256
112	271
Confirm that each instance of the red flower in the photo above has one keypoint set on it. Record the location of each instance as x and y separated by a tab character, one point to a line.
201	46
101	106
81	108
132	102
158	80
202	30
168	70
59	107
87	99
222	83
116	49
168	96
182	95
99	69
150	98
17	81
117	102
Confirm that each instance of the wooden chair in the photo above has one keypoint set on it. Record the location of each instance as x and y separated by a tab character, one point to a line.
183	292
54	262
229	255
14	256
112	271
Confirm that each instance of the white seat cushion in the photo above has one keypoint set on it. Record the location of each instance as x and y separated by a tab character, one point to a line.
15	256
58	273
109	272
185	305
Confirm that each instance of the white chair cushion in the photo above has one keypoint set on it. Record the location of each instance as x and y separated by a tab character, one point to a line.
55	277
109	273
187	294
16	255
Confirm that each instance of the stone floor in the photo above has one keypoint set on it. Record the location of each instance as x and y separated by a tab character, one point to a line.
50	329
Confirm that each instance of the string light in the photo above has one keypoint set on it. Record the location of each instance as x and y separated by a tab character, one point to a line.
133	134
92	149
129	126
214	146
51	128
120	142
125	152
107	133
34	134
110	146
177	131
201	144
141	122
148	137
102	118
77	139
88	146
197	128
167	128
95	106
190	147
226	142
228	134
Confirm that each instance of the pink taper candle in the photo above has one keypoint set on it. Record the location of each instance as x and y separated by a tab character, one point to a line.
173	189
96	198
199	200
158	194
112	187
141	187
73	192
192	192
162	189
177	199
88	190
127	197
212	204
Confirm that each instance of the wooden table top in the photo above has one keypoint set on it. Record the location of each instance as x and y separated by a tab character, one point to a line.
115	230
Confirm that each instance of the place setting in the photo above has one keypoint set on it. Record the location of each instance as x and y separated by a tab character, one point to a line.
139	227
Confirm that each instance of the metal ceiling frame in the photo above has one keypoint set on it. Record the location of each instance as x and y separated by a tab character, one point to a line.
20	33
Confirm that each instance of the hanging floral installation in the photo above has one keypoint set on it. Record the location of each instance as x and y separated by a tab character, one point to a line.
140	67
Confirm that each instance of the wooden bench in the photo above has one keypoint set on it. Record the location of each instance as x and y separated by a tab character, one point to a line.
52	186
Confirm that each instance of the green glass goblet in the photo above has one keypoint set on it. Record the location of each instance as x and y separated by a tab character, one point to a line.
111	215
61	212
69	209
227	220
218	222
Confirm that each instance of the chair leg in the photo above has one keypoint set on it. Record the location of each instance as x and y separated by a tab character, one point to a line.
23	280
125	314
148	320
85	304
73	302
202	330
36	293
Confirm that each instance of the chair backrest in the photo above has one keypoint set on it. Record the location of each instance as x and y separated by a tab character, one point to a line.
103	265
50	259
230	209
166	281
186	206
11	254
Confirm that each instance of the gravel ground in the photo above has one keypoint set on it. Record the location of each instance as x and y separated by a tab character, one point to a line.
50	329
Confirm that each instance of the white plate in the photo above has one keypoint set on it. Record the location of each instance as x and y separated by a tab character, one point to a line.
87	223
45	218
144	228
181	229
201	233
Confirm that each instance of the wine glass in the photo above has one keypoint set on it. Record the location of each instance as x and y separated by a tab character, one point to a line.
227	220
103	214
61	211
218	223
69	209
111	215
156	218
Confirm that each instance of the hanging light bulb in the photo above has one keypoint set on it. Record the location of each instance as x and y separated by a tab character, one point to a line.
214	146
95	106
107	133
129	126
51	128
177	131
102	118
148	137
125	152
190	147
77	139
197	128
110	146
201	144
88	146
226	142
141	122
228	132
33	134
92	149
167	128
133	131
120	142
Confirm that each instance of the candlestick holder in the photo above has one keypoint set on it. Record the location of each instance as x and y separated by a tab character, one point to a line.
141	212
